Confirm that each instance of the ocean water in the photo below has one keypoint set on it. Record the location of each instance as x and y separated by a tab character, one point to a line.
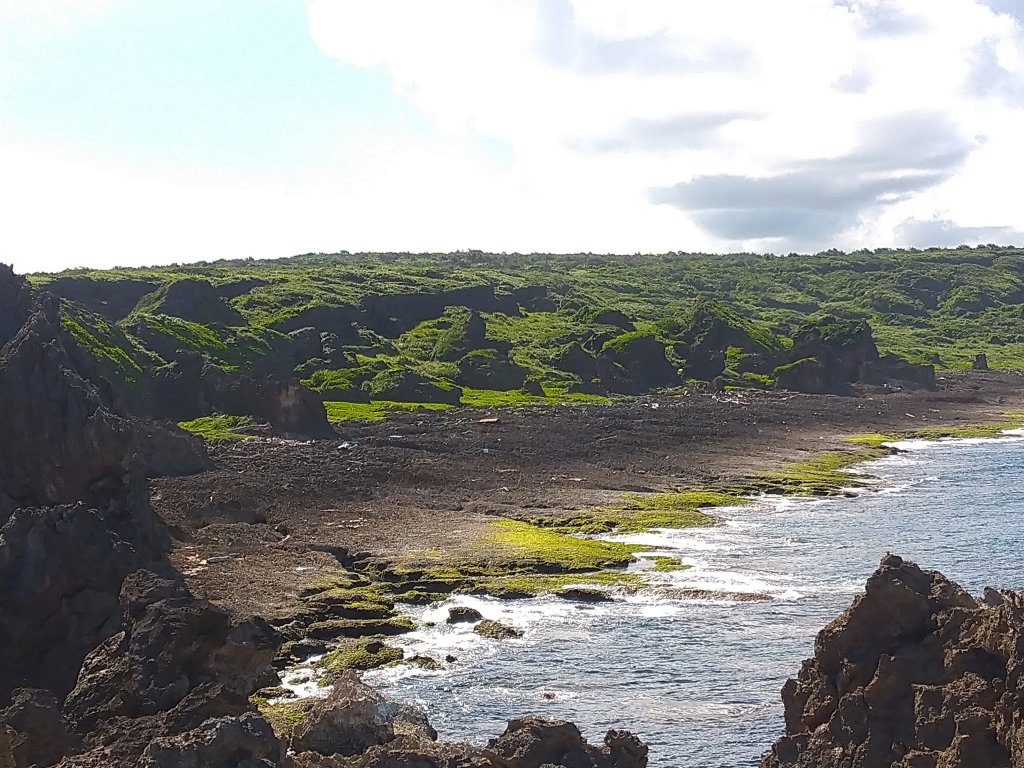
699	680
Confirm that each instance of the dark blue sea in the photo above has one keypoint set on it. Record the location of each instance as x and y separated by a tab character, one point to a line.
699	680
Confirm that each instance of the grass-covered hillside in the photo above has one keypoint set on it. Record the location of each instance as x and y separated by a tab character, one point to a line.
461	327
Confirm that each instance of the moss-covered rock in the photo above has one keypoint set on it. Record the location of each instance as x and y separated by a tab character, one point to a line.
495	630
362	654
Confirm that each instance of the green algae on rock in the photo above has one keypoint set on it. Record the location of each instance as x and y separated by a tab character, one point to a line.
495	630
361	654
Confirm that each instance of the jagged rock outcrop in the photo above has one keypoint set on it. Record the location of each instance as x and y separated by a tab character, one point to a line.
68	447
532	742
356	727
894	371
194	300
177	663
190	388
707	334
915	674
15	303
113	300
489	369
636	363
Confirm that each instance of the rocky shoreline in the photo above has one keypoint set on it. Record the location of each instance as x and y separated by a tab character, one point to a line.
126	604
917	673
109	659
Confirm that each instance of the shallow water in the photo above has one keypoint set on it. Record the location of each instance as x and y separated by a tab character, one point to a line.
700	680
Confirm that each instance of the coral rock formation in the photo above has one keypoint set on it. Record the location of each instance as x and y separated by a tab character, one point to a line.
915	674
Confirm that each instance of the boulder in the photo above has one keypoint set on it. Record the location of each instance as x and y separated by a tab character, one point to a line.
496	630
640	361
805	375
246	741
406	386
915	673
487	369
532	742
170	451
196	301
892	370
980	362
463	614
349	721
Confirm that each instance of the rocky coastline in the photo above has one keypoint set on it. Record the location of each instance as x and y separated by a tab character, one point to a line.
917	673
108	658
117	651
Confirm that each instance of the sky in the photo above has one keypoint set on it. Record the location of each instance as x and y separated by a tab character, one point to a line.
140	132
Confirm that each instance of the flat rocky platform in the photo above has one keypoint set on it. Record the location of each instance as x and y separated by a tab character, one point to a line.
276	516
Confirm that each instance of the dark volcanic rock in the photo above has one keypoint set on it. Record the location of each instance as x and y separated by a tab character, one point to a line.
806	375
177	662
463	614
113	300
170	451
840	347
348	722
62	446
189	388
246	741
894	370
35	729
15	303
980	362
197	301
532	742
487	369
410	387
639	364
915	673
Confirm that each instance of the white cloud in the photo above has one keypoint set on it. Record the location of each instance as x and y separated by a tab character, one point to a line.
628	125
671	92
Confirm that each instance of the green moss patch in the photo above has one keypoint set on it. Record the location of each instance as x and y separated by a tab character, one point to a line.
362	654
824	475
338	411
539	549
218	430
665	564
495	630
284	716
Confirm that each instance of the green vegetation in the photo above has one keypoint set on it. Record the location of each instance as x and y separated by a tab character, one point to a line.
360	654
827	474
495	630
666	564
995	428
118	354
539	549
340	411
556	320
218	429
284	716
